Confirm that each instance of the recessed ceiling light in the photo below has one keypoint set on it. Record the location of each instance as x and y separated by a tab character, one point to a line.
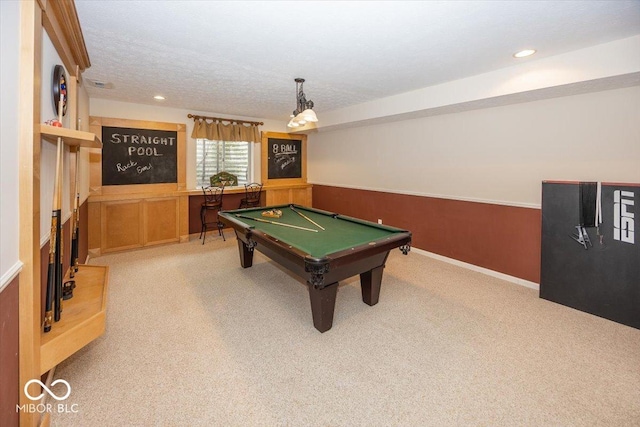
523	53
159	97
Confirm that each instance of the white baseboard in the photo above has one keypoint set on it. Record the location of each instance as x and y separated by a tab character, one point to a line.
10	274
502	276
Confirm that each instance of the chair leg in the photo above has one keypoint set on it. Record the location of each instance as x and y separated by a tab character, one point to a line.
203	219
220	227
205	225
201	224
221	231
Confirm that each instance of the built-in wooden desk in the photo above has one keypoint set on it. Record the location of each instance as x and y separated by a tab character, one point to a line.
273	194
122	221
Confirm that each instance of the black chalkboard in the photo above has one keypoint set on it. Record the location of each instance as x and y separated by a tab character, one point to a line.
139	156
285	158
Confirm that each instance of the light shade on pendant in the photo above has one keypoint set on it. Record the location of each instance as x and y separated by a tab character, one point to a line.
300	120
309	115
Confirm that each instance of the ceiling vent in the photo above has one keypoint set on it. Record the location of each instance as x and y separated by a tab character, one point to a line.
99	84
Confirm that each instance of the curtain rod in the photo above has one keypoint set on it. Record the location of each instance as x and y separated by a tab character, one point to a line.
192	116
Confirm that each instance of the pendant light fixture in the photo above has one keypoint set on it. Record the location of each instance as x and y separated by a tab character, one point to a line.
303	113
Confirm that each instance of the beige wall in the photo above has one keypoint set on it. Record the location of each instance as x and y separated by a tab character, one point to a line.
496	155
9	142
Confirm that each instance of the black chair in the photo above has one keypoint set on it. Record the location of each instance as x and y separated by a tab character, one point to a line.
212	203
252	193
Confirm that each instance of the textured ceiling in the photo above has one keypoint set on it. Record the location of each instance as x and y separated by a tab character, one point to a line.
240	58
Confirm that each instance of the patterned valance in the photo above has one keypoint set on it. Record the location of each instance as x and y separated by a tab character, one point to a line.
215	129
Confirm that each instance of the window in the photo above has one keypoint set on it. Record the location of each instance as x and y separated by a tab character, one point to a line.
217	156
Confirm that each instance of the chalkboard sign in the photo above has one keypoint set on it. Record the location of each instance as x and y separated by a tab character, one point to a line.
138	156
284	158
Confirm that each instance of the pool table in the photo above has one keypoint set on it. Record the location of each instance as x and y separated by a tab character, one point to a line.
321	247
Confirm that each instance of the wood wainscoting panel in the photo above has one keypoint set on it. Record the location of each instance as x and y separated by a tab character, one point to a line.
122	226
184	219
161	220
502	238
278	196
300	195
94	228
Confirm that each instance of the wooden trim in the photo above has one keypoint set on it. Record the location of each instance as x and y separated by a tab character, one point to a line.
264	159
95	182
139	195
182	156
141	124
139	190
29	199
70	137
60	20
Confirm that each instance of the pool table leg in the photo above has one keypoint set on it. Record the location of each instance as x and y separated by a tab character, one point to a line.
323	302
246	254
370	283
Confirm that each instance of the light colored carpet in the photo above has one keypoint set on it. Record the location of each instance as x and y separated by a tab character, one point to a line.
192	339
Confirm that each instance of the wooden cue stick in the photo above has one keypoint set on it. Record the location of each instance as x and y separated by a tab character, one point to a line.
51	302
69	285
53	244
76	216
52	306
276	223
306	217
59	190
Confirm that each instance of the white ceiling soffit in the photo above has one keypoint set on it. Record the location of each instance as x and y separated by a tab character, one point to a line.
602	67
362	61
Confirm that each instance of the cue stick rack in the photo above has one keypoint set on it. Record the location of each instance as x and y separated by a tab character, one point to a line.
84	316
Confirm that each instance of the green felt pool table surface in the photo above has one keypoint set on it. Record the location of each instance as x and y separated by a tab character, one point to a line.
340	232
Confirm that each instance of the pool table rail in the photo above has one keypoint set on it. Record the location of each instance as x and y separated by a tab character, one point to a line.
322	273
